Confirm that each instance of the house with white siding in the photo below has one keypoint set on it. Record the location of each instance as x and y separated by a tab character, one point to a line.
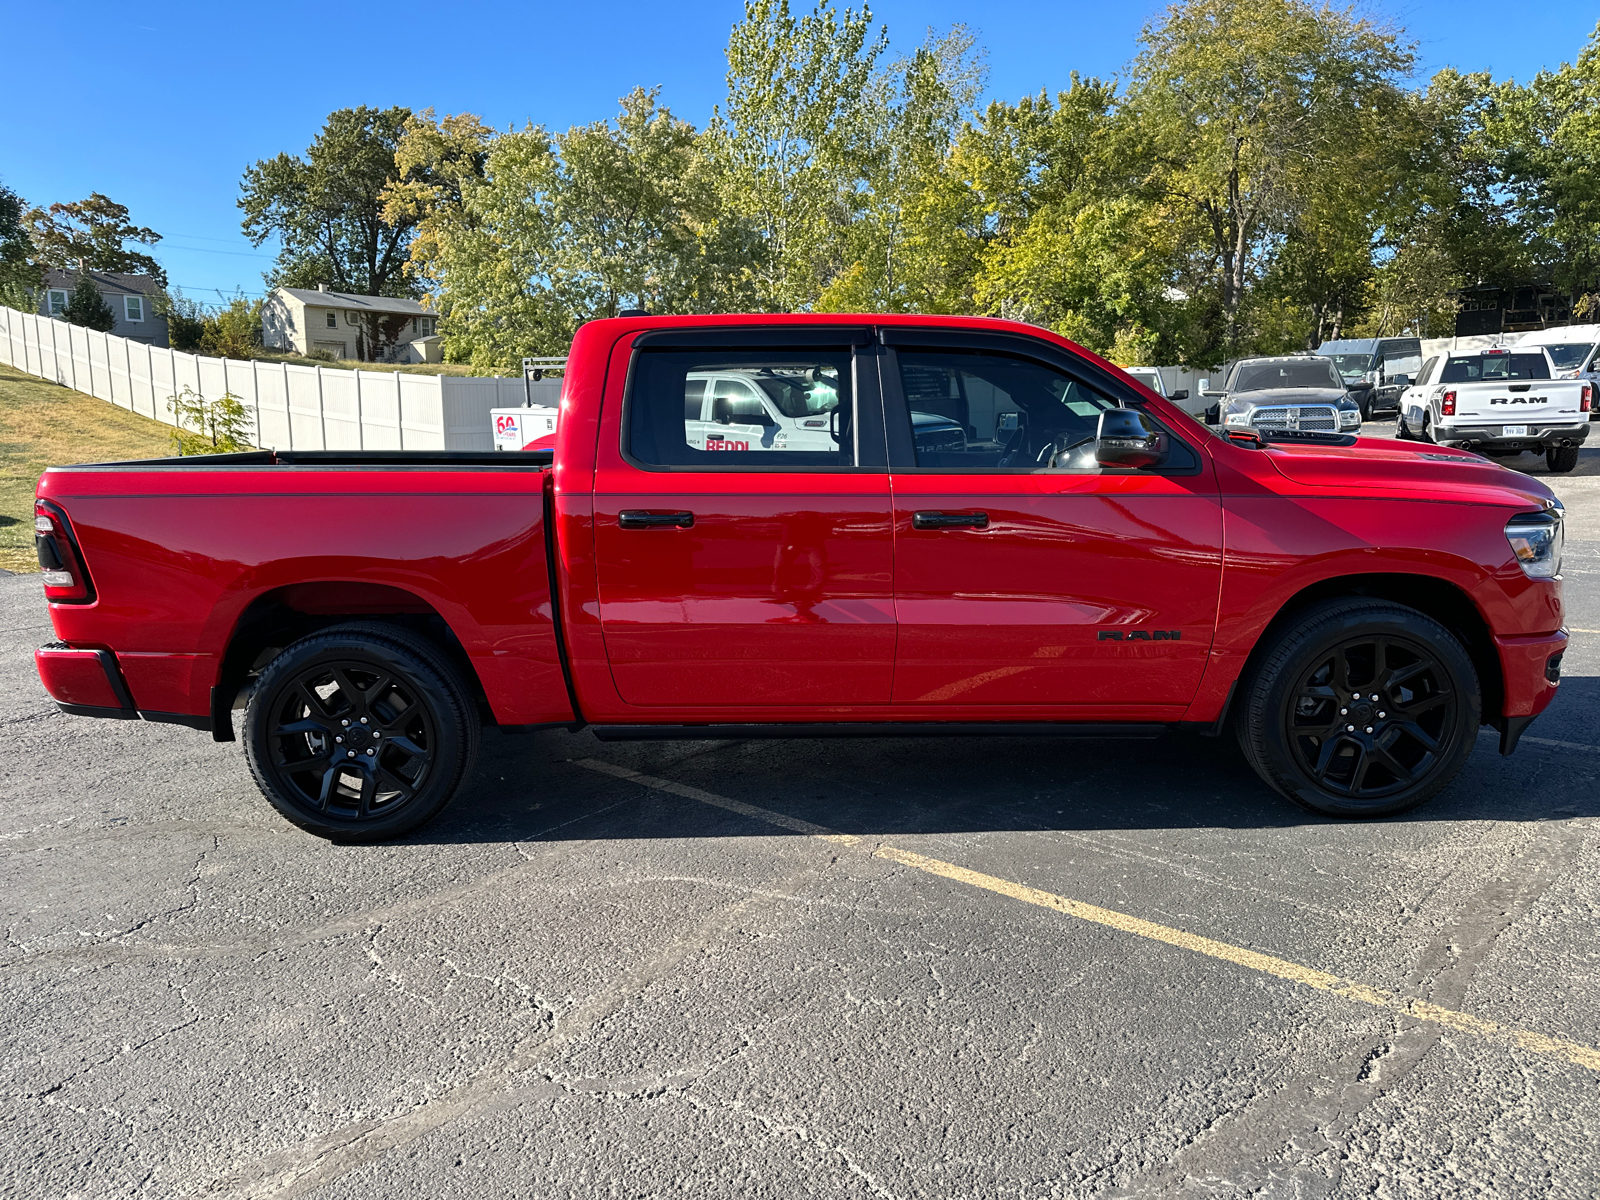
131	298
302	320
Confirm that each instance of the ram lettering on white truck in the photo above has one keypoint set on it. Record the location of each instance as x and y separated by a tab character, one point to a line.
1499	402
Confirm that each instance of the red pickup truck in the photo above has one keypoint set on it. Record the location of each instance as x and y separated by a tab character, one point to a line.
778	526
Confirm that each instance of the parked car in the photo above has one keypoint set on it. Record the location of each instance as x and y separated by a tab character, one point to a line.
1150	377
1574	352
1295	391
1087	561
1375	370
1499	402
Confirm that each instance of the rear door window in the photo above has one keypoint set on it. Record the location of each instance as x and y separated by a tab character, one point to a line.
719	409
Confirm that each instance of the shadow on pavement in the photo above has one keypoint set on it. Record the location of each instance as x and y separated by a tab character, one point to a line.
531	789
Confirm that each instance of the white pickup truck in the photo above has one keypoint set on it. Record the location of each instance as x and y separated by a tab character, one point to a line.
1498	402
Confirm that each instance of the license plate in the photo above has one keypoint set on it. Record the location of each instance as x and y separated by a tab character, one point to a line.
1514	431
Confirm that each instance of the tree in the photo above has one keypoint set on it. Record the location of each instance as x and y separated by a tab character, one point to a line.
791	139
1238	112
220	426
525	235
19	278
1549	133
327	209
92	232
87	307
911	245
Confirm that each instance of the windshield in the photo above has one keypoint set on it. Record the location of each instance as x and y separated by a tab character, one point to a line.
1569	356
1484	367
1352	366
1299	373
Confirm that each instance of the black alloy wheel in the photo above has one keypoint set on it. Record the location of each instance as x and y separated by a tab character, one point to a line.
359	733
1370	717
1361	708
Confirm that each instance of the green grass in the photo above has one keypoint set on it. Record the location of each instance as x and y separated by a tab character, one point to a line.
45	425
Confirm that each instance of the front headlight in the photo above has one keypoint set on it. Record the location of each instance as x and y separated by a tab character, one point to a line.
1236	420
1349	416
1536	540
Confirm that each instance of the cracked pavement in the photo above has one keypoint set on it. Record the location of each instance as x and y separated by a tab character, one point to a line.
575	984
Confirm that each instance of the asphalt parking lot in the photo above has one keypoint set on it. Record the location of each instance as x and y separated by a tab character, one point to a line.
898	968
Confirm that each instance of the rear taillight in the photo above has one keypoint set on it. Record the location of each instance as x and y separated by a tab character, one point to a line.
66	581
1586	404
1447	405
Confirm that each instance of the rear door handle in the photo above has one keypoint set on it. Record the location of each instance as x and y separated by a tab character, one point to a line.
633	518
944	520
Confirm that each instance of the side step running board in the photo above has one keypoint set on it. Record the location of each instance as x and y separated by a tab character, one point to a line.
882	729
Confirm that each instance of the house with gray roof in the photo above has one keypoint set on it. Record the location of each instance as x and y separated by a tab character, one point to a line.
131	297
345	325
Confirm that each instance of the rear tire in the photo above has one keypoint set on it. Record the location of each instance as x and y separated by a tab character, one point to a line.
1310	728
360	733
1561	459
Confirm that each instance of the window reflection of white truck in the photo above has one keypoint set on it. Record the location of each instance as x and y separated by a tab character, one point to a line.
767	409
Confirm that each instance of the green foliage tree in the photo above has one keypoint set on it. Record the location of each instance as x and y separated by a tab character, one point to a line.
1549	134
232	330
220	426
911	245
1239	115
19	277
87	307
92	232
328	210
524	235
790	141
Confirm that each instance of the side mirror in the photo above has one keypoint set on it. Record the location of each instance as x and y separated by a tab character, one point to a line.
1180	394
1213	394
1124	440
1400	381
722	410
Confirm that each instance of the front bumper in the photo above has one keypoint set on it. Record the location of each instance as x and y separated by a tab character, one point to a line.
1531	667
1490	438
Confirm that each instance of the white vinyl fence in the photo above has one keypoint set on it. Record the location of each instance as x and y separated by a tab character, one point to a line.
292	407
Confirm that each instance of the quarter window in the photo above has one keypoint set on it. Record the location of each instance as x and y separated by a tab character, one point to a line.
768	409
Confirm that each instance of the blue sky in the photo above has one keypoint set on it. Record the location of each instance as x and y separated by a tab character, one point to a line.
161	106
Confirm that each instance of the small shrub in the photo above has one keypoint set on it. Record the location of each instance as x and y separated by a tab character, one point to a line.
87	307
220	426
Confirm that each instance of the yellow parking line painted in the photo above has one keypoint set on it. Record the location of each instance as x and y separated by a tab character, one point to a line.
1349	989
1575	629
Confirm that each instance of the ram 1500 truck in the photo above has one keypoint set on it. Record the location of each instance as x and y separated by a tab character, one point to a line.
1076	557
1499	402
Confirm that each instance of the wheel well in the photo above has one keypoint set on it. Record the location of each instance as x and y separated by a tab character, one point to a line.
1444	602
276	619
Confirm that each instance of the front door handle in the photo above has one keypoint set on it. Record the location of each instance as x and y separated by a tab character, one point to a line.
633	518
944	520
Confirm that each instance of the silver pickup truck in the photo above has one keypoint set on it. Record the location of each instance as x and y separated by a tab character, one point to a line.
1499	402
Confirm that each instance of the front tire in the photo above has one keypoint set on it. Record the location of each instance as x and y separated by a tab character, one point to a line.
1310	727
360	733
1560	459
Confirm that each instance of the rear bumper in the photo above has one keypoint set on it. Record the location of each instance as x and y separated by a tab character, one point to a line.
90	683
1488	438
83	679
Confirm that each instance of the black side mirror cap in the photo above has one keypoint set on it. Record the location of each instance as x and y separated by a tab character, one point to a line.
1180	394
1125	440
